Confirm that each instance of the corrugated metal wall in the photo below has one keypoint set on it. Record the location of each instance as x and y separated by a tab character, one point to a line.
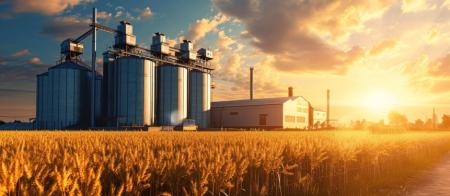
171	95
131	90
67	97
199	98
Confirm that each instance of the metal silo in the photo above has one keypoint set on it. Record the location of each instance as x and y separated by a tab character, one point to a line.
199	98
70	96
41	98
172	94
132	87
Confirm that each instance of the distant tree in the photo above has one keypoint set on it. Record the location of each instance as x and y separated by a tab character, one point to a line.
418	124
2	122
359	124
397	119
17	121
445	121
428	124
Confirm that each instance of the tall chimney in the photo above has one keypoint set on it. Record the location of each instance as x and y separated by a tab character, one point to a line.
290	91
251	83
328	108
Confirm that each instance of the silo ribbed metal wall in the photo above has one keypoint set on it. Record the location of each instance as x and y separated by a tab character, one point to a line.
98	99
40	100
199	98
47	102
172	95
69	94
132	88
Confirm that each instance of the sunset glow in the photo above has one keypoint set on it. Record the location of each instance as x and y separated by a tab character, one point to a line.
380	102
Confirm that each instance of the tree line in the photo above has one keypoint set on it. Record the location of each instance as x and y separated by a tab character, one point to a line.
400	121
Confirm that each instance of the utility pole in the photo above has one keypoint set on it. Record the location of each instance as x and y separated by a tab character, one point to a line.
94	58
251	83
328	108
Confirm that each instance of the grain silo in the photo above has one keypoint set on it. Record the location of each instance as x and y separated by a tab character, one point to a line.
171	94
132	87
199	97
41	98
70	96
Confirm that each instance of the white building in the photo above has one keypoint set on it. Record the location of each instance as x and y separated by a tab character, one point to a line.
319	119
284	112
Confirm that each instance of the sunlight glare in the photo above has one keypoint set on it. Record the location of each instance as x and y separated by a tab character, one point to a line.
380	101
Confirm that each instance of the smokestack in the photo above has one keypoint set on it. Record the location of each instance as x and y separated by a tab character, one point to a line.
328	108
290	91
251	83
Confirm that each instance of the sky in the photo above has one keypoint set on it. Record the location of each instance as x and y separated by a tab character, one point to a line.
374	55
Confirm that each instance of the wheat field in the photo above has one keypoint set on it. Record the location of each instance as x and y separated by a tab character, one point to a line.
214	163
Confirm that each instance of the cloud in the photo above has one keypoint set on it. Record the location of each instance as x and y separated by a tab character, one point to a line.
382	47
440	67
46	7
21	53
199	29
232	70
35	61
414	6
22	70
119	11
223	40
440	86
300	34
145	14
104	15
430	75
64	27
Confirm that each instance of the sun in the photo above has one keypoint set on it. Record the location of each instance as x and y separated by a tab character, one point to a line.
380	101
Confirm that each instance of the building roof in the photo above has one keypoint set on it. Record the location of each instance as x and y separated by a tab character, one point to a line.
248	102
70	65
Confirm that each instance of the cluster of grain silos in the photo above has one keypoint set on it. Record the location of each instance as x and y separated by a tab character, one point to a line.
161	86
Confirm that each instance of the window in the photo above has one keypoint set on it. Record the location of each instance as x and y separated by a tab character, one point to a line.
302	110
263	119
234	113
301	119
289	119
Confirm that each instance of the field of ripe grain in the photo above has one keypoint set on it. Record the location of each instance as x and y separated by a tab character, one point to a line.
214	163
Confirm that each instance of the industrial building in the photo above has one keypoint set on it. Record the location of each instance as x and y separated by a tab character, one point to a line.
159	86
139	87
291	112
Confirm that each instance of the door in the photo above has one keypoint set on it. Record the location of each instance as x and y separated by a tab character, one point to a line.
262	119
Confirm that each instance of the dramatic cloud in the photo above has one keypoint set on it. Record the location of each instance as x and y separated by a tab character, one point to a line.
65	27
232	70
199	29
300	33
46	7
